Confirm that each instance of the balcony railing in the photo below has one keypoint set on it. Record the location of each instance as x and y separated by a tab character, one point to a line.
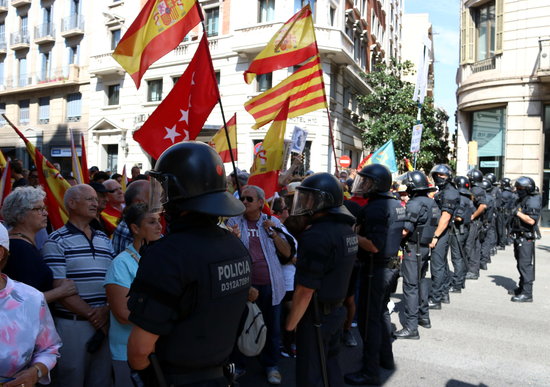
61	76
73	24
44	31
19	39
484	65
3	5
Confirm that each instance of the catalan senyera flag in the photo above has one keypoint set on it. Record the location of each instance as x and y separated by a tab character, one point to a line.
84	160
158	29
292	44
268	161
219	141
51	180
305	89
75	163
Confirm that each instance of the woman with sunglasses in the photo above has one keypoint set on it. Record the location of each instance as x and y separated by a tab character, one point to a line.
25	213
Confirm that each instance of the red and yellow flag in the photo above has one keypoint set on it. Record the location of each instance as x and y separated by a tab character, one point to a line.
364	162
408	164
84	160
111	216
219	141
304	88
5	181
3	161
158	29
292	44
269	158
124	181
77	169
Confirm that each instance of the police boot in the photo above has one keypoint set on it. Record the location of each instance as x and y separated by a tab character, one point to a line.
360	379
434	305
515	292
445	298
522	298
425	323
407	333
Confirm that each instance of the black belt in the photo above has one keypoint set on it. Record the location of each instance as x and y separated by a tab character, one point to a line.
68	316
329	307
196	376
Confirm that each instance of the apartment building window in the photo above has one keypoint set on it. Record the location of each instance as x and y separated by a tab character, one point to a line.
154	90
44	110
299	4
212	16
264	82
73	55
481	32
332	15
24	115
218	76
74	107
115	38
2	72
45	66
2	111
488	129
24	26
22	71
112	157
113	95
266	11
2	35
75	7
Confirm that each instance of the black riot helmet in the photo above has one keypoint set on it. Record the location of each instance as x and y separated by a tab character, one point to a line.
374	178
189	176
463	184
526	184
442	169
506	183
417	182
319	192
475	176
491	177
486	184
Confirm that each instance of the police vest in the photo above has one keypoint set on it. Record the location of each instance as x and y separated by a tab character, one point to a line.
465	209
529	205
479	196
424	213
191	289
447	199
490	210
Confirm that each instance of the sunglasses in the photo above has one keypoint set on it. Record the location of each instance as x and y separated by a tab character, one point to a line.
249	199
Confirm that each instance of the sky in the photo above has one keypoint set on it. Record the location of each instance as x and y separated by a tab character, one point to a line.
445	19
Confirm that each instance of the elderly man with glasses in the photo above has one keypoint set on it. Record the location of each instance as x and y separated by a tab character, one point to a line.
266	242
83	254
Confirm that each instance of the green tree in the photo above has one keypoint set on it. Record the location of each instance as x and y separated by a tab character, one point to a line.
391	113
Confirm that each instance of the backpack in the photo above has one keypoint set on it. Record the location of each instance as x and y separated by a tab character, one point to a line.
251	341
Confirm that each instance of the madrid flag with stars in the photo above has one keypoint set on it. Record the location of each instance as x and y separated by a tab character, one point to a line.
182	114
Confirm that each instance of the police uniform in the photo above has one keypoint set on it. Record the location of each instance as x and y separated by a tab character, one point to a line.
509	200
326	254
487	234
383	225
496	235
447	199
524	237
191	289
473	243
459	233
422	217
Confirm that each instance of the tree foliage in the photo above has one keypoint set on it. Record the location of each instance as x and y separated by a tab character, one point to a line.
391	113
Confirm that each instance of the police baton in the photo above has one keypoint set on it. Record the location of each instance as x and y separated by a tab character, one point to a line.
317	325
534	266
456	233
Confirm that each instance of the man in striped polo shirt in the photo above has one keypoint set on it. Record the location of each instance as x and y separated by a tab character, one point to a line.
79	252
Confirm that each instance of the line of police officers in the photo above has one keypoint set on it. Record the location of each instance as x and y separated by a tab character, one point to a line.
186	313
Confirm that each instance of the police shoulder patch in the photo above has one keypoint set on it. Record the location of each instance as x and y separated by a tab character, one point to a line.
351	244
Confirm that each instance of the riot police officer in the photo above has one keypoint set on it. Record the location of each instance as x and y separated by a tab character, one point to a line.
380	233
473	242
525	218
422	219
495	225
447	199
508	199
487	235
192	285
327	251
459	233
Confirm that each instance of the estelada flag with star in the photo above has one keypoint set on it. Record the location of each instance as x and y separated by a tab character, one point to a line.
269	158
182	114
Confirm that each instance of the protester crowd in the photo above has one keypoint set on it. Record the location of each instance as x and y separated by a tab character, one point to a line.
64	311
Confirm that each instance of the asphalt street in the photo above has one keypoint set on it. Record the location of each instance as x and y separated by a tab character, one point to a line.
480	339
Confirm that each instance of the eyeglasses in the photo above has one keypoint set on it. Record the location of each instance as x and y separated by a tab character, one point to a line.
40	209
249	199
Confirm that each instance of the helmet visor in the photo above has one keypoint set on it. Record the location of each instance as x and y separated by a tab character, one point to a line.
307	202
362	185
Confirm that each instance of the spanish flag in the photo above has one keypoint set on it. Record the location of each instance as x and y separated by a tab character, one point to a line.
124	181
3	161
5	181
219	141
158	29
77	168
50	179
111	217
84	160
408	164
304	88
292	44
269	158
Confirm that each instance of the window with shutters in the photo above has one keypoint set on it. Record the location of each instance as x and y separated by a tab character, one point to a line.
74	107
154	90
212	16
24	114
44	110
264	82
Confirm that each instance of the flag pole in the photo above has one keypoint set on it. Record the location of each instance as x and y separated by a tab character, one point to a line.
222	111
418	122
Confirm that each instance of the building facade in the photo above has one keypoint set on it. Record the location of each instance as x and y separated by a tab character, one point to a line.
504	90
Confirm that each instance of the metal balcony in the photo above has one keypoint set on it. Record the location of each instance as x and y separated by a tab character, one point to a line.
44	33
72	26
543	70
19	40
3	6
